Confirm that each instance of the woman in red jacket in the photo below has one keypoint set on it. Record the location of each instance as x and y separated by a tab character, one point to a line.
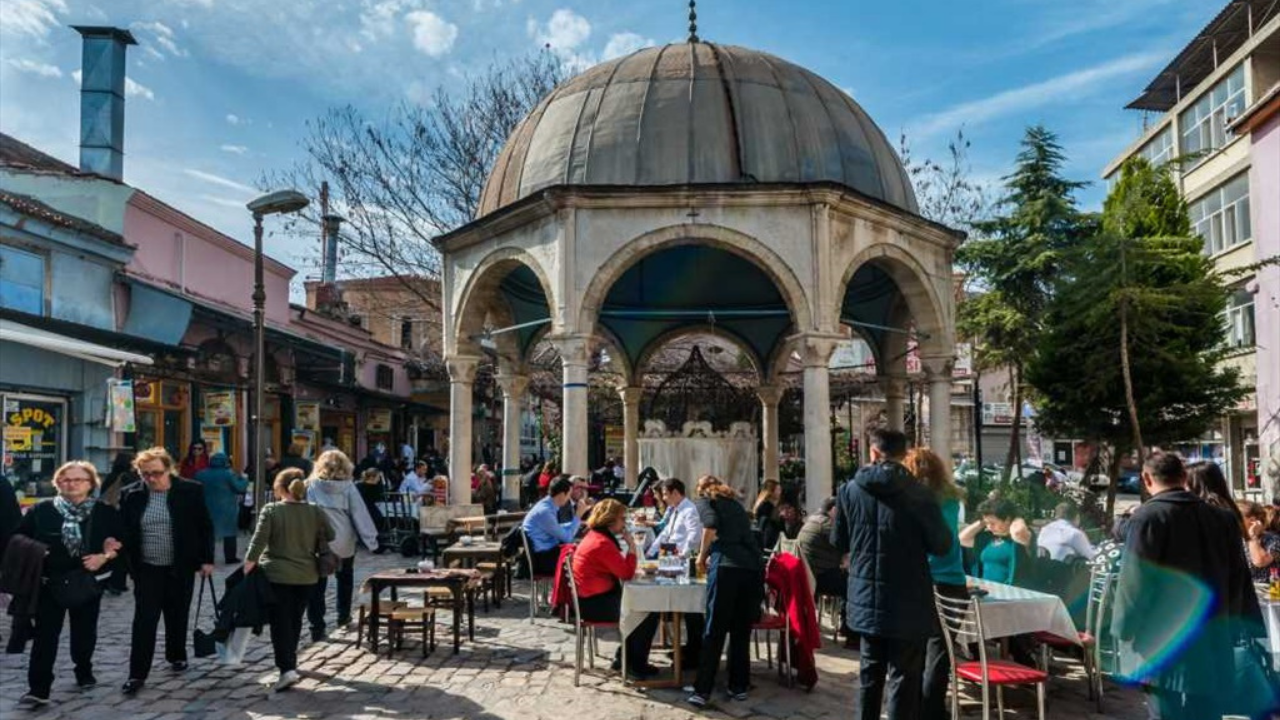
600	565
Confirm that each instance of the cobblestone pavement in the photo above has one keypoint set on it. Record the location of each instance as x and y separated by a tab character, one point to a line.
513	669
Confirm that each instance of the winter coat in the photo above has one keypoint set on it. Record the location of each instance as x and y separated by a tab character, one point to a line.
10	513
189	519
21	570
889	523
1184	595
222	488
43	523
246	603
346	512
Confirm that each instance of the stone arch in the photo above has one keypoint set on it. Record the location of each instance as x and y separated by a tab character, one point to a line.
717	236
930	313
475	299
676	333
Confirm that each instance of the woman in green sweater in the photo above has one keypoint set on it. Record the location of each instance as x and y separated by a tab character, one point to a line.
284	545
947	571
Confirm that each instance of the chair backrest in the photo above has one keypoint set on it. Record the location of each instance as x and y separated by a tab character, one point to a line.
461	511
433	517
792	546
1102	585
961	620
573	587
528	555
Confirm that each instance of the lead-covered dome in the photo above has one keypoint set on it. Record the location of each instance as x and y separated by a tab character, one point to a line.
692	113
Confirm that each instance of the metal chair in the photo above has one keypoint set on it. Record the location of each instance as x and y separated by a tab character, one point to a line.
584	631
1089	640
537	583
961	622
774	618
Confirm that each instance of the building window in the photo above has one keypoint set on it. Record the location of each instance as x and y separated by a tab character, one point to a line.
1204	124
1159	149
406	334
21	280
1222	216
385	378
1239	317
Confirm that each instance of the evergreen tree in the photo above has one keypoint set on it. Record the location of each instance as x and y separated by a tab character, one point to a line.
1012	262
1129	356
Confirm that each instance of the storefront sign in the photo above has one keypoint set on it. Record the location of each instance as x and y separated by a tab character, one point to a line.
379	421
613	441
212	437
997	413
220	408
120	397
306	439
17	439
33	439
307	416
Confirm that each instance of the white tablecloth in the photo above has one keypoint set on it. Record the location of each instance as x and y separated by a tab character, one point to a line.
1009	610
1271	615
641	597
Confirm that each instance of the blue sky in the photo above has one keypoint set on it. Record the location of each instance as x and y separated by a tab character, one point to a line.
221	89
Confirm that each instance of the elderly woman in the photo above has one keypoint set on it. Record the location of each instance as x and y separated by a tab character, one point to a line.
284	544
222	490
330	488
604	560
729	556
80	534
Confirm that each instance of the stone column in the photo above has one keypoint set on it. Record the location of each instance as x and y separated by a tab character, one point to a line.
769	396
513	388
815	353
462	375
938	374
631	433
575	358
895	398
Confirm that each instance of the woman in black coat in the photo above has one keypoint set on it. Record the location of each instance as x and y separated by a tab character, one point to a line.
80	534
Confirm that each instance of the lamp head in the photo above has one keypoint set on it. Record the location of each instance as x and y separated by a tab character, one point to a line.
280	201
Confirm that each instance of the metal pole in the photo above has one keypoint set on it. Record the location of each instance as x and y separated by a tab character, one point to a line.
259	359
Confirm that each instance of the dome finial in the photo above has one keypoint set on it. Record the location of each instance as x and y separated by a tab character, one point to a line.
693	21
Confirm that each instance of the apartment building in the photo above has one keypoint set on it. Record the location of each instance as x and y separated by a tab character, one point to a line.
1195	108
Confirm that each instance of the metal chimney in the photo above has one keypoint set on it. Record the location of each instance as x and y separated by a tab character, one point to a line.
102	99
329	272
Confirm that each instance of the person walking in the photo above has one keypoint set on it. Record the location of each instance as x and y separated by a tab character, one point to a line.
331	489
284	545
1182	598
196	460
82	539
947	572
729	557
222	489
889	524
168	537
294	457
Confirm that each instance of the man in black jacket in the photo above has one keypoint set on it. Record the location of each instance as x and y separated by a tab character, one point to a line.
168	538
1183	596
889	523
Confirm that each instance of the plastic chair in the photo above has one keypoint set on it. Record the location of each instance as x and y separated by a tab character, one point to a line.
961	622
537	583
584	631
1100	585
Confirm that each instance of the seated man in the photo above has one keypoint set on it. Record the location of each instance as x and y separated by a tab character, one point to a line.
579	492
830	574
414	485
1062	539
600	567
681	525
546	533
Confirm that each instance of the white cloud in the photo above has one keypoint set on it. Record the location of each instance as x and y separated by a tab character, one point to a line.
234	119
234	149
35	68
31	17
624	43
133	88
1060	89
161	35
224	202
432	34
219	180
565	30
380	18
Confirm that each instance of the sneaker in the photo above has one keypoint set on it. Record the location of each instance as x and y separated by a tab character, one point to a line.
738	696
131	686
287	680
86	680
318	635
696	700
344	621
33	700
179	666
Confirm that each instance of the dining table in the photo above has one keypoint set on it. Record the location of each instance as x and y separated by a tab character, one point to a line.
467	554
1271	617
1008	610
462	583
642	596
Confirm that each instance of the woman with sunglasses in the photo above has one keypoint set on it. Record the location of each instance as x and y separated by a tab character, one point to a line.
80	534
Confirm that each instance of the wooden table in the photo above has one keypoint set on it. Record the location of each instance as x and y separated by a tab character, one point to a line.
484	551
462	583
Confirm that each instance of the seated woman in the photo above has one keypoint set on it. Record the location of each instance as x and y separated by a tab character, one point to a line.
1001	543
1261	539
600	565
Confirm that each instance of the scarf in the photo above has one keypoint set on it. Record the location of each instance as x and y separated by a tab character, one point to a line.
72	516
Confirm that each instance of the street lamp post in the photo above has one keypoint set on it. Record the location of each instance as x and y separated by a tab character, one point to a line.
282	201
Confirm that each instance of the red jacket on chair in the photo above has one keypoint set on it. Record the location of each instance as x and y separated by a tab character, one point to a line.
788	576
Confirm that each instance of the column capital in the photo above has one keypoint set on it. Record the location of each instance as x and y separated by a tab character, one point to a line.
769	394
631	395
513	385
938	367
893	386
573	349
462	368
816	348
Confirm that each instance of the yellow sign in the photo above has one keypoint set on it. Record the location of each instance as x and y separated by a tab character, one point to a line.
379	421
33	416
220	409
17	439
307	416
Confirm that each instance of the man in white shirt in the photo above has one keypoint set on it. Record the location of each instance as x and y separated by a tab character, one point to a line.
1061	539
415	482
682	527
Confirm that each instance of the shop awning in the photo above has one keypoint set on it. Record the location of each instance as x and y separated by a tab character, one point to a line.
17	332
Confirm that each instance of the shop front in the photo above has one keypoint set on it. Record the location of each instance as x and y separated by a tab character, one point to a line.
35	439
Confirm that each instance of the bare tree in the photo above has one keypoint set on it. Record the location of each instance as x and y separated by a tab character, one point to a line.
946	191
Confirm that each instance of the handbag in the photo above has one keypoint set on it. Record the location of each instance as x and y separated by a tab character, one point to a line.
74	588
204	643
